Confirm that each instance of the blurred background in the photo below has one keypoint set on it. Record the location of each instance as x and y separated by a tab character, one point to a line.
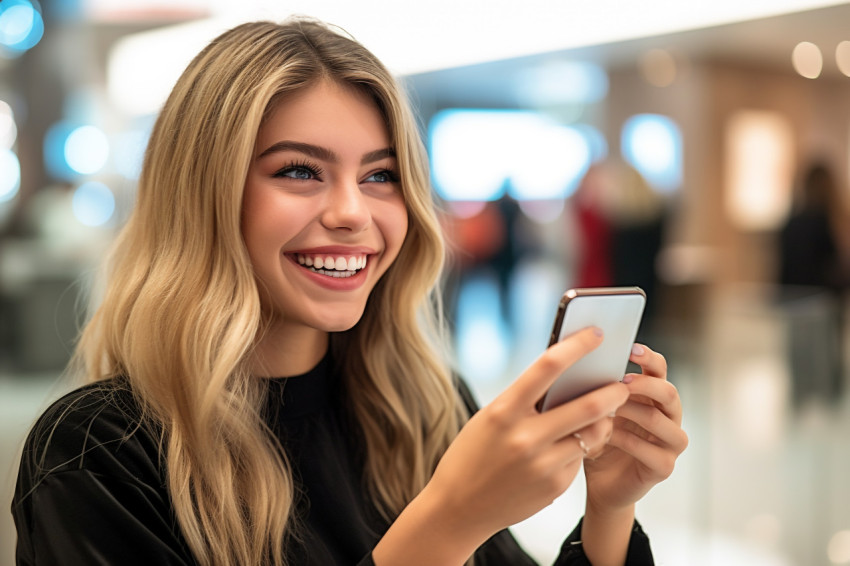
701	152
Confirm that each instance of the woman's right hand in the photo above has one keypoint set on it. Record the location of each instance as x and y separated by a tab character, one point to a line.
510	461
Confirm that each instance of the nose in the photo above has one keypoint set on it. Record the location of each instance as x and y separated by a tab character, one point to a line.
346	208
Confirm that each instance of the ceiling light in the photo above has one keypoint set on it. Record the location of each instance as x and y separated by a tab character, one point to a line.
658	67
807	60
842	57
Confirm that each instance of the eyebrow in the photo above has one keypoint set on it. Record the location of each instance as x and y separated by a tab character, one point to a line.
323	153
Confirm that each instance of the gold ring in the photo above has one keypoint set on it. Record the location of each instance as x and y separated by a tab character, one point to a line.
581	443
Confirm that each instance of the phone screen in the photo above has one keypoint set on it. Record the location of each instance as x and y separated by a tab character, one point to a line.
617	311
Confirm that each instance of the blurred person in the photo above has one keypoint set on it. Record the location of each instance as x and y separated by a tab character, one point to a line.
593	229
620	222
812	252
476	233
265	378
636	216
484	244
813	272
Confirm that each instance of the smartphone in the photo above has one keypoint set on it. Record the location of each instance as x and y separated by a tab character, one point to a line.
617	311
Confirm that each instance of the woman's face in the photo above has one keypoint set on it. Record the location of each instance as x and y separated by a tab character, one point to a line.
323	215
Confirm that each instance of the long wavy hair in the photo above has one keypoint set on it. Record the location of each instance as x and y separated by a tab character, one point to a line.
181	310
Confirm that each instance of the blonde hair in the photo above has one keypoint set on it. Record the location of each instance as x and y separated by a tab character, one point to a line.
181	311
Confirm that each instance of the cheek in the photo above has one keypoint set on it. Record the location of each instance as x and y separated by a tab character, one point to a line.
395	226
262	220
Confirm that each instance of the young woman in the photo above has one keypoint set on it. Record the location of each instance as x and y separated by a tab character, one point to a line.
265	380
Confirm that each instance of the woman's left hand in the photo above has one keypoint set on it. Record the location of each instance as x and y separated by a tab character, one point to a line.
646	440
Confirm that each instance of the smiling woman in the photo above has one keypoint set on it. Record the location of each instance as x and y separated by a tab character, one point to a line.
323	187
265	384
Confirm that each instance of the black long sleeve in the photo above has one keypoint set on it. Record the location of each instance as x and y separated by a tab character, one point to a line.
92	485
89	488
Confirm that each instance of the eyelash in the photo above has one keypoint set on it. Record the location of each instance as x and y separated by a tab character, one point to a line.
391	174
317	171
311	168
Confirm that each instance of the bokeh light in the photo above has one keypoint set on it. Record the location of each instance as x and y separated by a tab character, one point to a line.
658	67
562	82
842	57
93	203
483	337
807	60
8	127
479	154
838	549
21	25
86	150
596	141
551	166
653	145
72	150
10	174
758	177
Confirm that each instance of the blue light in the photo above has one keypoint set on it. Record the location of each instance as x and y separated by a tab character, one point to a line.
54	151
595	140
483	336
129	149
71	150
21	25
466	155
653	145
93	204
86	150
562	82
10	175
477	154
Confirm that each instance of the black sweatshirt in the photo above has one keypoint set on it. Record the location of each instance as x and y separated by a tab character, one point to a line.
92	486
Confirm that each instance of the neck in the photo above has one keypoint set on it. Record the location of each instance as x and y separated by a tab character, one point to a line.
286	351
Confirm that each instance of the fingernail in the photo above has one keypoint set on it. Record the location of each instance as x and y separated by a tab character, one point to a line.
597	331
638	350
628	378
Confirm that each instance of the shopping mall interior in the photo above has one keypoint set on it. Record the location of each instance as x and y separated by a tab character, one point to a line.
589	145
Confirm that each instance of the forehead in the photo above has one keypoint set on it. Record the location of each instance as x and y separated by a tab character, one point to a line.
323	112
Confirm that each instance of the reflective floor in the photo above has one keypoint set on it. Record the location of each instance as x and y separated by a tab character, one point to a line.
763	482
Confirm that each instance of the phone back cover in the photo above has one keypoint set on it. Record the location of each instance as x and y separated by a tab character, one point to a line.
619	318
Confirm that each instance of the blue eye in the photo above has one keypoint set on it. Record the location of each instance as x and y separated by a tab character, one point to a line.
296	173
299	171
382	177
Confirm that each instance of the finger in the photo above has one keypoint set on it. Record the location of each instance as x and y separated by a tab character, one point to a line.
659	460
651	362
584	442
536	380
657	424
583	411
663	394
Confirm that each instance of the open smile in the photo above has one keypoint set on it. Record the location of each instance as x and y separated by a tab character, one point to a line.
338	266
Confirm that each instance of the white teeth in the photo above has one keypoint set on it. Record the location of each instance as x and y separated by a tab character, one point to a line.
337	267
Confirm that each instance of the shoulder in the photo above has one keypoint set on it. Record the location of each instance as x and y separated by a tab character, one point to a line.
97	427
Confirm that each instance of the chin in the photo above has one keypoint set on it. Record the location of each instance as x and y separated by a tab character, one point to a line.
342	323
340	327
